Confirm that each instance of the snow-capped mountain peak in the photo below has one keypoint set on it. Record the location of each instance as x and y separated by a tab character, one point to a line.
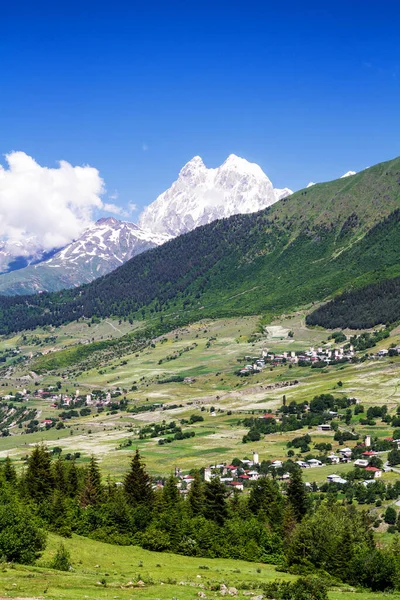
195	163
201	195
348	174
107	240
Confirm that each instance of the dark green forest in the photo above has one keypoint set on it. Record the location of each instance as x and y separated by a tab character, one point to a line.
302	531
361	309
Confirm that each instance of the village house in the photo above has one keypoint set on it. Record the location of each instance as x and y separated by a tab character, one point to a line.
268	416
276	464
376	472
324	427
313	462
237	485
345	452
333	459
226	479
336	479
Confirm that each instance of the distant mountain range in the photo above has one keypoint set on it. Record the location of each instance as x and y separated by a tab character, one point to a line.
322	240
103	247
197	197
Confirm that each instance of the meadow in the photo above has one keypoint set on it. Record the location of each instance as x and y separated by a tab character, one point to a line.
209	352
100	571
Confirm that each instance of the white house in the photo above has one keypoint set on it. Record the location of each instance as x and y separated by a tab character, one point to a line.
313	462
333	459
345	452
324	427
336	479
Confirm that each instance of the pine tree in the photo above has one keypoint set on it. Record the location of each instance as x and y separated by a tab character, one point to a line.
296	494
137	483
171	493
92	491
73	480
60	478
60	522
265	499
9	472
289	522
39	478
215	507
195	496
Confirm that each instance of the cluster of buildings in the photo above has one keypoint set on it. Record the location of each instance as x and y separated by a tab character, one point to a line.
344	456
327	355
232	476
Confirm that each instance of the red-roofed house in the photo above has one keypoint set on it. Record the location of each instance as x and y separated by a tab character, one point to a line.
369	453
238	485
377	472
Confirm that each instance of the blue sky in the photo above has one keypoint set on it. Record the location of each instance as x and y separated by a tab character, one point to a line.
307	90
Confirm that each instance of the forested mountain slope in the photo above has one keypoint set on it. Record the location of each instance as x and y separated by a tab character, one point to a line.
317	242
361	309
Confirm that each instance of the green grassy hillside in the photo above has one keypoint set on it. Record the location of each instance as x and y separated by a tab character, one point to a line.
319	241
103	571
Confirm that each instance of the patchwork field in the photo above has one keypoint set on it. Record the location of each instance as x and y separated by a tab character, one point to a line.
207	354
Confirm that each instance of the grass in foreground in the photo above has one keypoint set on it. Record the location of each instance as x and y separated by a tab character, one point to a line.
102	571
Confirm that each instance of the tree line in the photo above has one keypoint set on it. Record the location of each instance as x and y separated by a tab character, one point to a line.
296	529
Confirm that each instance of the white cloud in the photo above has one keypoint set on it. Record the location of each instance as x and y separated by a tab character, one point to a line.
54	205
114	195
114	209
132	207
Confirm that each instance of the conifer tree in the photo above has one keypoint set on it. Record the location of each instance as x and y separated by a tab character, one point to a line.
289	521
9	472
39	478
73	480
195	496
60	521
92	491
297	495
265	498
137	483
171	493
215	508
60	477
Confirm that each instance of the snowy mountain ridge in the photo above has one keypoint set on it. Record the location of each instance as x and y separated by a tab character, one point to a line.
103	247
107	240
201	195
